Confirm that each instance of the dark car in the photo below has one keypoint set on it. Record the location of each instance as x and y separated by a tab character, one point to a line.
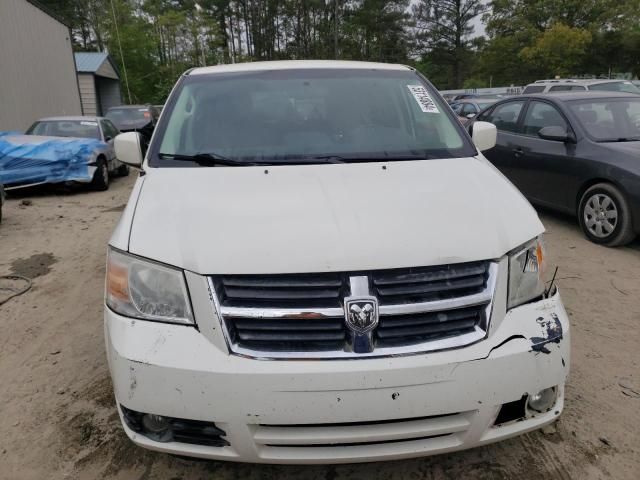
138	118
574	152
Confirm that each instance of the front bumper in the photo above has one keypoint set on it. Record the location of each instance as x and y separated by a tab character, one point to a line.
337	411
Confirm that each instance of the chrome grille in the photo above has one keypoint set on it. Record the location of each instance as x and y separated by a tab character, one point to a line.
302	316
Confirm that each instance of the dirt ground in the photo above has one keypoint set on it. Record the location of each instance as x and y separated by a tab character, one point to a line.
58	416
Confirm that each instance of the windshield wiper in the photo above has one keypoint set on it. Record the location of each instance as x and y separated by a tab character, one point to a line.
326	159
208	158
363	159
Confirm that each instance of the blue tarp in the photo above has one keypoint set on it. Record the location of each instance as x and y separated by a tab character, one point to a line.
27	159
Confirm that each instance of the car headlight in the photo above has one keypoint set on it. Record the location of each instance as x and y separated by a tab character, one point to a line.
146	290
526	273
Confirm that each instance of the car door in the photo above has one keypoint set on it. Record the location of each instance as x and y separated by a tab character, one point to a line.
109	133
540	166
505	116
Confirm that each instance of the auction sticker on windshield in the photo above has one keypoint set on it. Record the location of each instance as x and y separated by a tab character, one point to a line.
425	102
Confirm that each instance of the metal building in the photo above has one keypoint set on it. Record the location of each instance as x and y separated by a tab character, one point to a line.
37	68
99	82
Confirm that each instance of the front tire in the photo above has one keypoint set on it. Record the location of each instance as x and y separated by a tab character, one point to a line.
101	175
123	170
605	217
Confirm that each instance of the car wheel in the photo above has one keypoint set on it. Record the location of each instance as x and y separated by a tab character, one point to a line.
101	176
123	170
605	216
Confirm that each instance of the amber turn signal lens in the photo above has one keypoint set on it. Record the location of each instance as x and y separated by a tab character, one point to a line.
117	281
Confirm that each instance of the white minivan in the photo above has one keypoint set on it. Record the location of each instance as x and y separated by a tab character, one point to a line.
317	265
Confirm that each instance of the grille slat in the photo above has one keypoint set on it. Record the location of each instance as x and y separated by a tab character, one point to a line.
421	330
261	336
261	282
271	325
439	286
428	276
280	293
304	312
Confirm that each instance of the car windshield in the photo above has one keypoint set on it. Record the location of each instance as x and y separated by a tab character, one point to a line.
65	128
609	120
289	116
625	86
128	115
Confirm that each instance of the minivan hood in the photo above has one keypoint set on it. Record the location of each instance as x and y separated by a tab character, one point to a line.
330	217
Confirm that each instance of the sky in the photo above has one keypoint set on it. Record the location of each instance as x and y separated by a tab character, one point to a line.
478	27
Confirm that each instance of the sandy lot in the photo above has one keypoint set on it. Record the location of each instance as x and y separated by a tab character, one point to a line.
58	417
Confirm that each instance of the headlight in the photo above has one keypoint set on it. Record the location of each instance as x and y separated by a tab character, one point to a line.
146	290
526	273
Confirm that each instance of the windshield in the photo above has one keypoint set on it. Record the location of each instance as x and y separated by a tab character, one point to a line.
627	87
285	116
608	120
124	116
66	128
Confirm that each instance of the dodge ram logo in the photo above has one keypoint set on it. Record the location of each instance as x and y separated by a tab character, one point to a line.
361	313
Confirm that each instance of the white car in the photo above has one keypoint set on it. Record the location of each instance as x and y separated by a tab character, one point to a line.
581	85
319	266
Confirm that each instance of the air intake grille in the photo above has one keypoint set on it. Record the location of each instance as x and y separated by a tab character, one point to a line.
278	315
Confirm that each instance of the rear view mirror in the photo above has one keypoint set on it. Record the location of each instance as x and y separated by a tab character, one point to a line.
128	147
556	134
484	135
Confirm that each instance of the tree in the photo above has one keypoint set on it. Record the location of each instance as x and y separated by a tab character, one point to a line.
444	28
558	51
376	30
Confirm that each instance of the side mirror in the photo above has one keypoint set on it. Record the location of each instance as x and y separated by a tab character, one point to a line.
484	135
470	115
556	134
128	147
107	139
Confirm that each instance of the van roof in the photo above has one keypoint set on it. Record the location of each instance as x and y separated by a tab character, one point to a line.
295	65
577	81
585	95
